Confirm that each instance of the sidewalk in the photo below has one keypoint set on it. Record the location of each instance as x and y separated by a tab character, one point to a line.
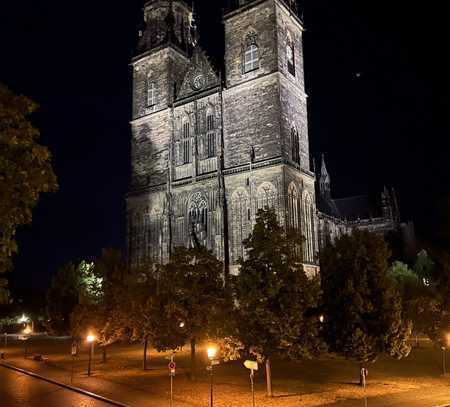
308	384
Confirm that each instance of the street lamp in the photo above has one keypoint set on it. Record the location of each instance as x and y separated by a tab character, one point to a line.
445	344
90	339
212	352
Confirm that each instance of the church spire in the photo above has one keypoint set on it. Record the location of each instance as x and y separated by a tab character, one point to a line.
325	180
194	28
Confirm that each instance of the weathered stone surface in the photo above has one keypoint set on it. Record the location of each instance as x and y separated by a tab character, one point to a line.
202	155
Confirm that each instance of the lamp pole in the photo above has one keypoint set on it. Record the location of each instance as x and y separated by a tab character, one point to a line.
90	339
212	351
444	367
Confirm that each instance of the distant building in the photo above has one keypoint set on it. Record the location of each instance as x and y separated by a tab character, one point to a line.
209	150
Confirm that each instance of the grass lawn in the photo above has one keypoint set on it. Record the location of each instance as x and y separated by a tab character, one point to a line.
305	383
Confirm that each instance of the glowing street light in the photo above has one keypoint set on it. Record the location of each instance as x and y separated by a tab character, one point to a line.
211	352
90	339
23	319
182	324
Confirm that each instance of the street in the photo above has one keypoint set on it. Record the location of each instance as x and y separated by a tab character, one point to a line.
17	389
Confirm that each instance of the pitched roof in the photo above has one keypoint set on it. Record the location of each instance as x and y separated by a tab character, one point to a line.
199	66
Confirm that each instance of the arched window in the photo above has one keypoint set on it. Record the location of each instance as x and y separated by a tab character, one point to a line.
155	235
293	206
186	151
251	58
151	93
251	53
290	56
198	217
240	223
308	227
295	144
210	136
267	196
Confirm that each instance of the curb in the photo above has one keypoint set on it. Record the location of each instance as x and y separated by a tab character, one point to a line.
66	386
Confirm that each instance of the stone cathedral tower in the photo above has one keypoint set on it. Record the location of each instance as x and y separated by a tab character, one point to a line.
210	149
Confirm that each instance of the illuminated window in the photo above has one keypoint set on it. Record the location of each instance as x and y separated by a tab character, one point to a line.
251	58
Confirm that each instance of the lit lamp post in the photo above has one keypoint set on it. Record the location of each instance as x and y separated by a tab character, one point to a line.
212	352
445	344
90	340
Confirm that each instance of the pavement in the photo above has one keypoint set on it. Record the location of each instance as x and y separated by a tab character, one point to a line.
18	389
417	398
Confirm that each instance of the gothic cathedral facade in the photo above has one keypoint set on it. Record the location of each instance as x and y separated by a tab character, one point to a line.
209	150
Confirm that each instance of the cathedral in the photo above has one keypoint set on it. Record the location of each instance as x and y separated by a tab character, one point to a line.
210	148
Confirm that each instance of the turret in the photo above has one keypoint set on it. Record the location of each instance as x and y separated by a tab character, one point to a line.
325	180
166	22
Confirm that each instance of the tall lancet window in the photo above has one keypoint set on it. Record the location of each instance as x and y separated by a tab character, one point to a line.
308	227
198	218
240	223
210	136
186	150
290	56
267	196
295	143
293	207
251	53
151	93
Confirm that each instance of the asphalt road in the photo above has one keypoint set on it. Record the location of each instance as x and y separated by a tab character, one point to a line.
17	389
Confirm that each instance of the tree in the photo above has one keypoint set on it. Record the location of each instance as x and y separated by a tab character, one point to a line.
158	317
104	289
25	171
275	297
194	278
363	309
437	325
420	300
424	267
62	298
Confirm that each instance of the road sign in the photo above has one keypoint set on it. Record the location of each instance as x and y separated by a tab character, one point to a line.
172	365
74	349
251	365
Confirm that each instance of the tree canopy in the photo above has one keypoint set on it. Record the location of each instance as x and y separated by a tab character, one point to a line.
363	308
276	302
25	171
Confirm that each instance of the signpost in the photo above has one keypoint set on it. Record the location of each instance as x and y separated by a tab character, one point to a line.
172	369
253	367
3	354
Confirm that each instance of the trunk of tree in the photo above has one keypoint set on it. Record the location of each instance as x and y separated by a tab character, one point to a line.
104	356
144	362
193	360
269	378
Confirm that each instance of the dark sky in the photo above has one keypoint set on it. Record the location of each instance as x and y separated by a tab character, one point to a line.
376	75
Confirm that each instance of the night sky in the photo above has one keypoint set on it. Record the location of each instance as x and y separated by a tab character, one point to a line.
376	76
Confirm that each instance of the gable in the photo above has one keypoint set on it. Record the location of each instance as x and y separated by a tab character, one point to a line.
199	77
